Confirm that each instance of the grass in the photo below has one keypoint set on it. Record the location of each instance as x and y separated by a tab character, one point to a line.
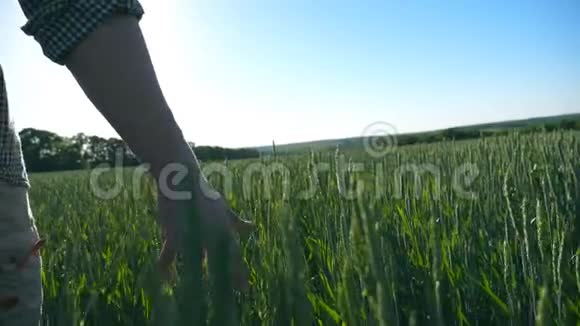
489	236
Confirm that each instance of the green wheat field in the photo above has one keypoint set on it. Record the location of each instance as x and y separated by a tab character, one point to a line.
489	236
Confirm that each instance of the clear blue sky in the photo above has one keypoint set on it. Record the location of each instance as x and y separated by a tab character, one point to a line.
242	73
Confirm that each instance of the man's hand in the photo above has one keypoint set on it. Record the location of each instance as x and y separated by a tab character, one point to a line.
216	219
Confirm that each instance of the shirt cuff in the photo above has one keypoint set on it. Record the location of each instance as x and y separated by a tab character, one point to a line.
59	26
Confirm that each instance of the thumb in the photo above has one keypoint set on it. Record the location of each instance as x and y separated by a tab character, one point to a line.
242	227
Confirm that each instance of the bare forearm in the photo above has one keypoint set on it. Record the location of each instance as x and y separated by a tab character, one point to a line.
114	69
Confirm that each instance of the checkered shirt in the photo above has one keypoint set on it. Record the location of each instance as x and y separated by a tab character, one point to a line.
58	26
12	169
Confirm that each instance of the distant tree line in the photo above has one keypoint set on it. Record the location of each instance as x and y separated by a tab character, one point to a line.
45	151
471	133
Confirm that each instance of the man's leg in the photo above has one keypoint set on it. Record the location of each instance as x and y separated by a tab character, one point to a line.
20	264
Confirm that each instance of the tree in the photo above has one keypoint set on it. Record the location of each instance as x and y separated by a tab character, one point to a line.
46	151
568	124
40	149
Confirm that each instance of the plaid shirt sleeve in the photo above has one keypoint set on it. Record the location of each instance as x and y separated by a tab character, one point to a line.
12	169
60	25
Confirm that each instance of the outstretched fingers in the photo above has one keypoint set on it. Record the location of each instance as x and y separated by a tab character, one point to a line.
226	261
